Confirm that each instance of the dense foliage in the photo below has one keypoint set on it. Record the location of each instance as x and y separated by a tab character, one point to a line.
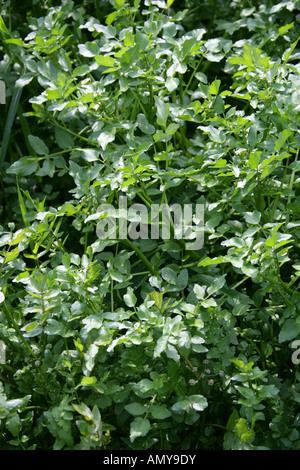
144	344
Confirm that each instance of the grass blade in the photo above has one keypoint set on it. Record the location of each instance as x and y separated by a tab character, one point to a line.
9	122
22	205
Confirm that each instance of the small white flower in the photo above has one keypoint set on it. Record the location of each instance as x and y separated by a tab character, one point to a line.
192	382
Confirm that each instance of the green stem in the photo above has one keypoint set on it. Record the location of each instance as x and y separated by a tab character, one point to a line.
68	130
141	256
191	77
17	329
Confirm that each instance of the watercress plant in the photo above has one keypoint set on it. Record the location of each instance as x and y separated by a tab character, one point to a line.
145	344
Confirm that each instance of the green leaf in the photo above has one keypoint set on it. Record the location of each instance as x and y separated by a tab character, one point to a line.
24	166
181	406
142	40
239	363
199	291
158	298
129	298
252	135
161	345
170	3
84	410
219	105
285	28
54	94
32	329
211	261
198	402
20	236
89	49
232	420
214	87
15	41
252	218
81	70
289	51
162	111
216	285
295	166
63	138
106	137
143	387
183	279
169	275
283	136
254	160
14	424
193	402
3	28
107	61
139	428
88	381
111	17
131	55
12	254
38	145
144	124
136	409
241	426
119	3
289	330
216	135
160	412
22	205
24	80
172	128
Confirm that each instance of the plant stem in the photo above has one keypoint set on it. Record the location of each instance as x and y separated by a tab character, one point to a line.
141	256
17	329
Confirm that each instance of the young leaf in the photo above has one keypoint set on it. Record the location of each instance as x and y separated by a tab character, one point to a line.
162	111
136	409
23	167
129	298
216	285
144	124
159	412
170	3
38	145
214	87
139	428
89	49
107	61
